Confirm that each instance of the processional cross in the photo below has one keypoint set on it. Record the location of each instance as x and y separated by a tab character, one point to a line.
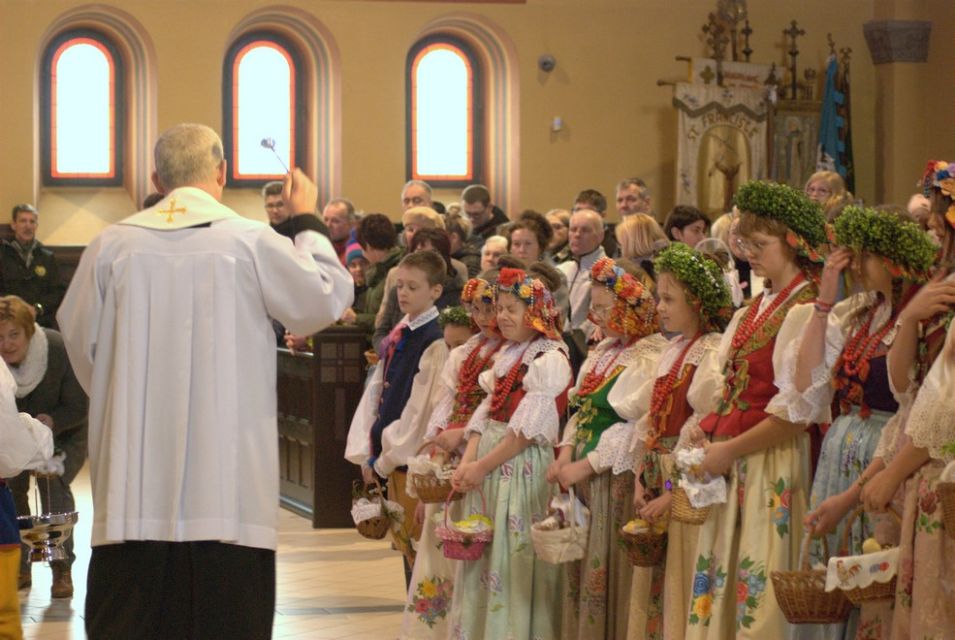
793	32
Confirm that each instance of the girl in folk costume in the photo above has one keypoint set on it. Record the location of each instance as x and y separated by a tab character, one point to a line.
841	356
429	596
508	592
695	304
925	591
766	455
594	454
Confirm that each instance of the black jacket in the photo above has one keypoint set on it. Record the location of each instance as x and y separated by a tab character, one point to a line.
37	284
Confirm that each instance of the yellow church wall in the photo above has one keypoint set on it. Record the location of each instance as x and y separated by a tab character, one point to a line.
610	54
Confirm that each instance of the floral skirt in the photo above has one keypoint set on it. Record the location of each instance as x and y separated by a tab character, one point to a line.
509	594
925	592
432	582
847	449
647	601
597	588
659	594
746	539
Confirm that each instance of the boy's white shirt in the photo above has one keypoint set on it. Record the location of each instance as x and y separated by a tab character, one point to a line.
402	438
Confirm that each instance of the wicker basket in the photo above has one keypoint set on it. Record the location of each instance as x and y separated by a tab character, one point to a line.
645	549
373	528
946	493
876	590
430	488
682	511
557	546
463	546
802	594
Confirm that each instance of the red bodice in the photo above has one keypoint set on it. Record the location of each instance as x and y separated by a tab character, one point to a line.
750	385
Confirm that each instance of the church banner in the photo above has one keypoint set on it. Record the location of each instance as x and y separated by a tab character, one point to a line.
721	135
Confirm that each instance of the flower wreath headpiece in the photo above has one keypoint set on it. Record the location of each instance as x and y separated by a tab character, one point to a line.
703	281
905	249
456	316
541	314
479	289
941	175
471	288
803	217
634	312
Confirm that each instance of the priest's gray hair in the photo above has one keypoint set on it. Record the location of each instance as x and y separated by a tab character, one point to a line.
187	154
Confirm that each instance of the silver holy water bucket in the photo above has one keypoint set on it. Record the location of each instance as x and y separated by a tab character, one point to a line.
46	533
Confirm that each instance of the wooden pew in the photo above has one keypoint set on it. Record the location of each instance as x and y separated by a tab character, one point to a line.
317	396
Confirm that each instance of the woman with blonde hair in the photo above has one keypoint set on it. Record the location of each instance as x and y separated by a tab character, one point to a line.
828	189
640	238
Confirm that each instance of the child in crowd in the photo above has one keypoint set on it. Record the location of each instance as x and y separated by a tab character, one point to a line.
457	325
686	381
686	224
391	420
925	591
429	596
841	356
508	592
357	266
766	455
594	453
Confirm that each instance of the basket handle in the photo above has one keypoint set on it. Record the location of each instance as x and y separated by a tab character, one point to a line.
447	503
804	548
844	543
573	508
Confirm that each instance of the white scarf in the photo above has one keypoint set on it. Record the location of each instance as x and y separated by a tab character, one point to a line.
30	372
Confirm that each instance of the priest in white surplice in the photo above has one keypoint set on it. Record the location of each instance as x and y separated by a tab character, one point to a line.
167	325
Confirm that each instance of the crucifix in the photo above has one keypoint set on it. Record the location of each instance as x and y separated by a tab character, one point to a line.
793	32
173	209
717	41
747	31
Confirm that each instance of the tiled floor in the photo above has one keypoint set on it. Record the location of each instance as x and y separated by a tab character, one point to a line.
332	583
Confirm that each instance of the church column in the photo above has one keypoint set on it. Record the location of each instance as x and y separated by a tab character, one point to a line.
899	46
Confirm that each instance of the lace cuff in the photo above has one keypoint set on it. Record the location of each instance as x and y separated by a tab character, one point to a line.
479	418
536	418
439	417
613	450
812	404
931	425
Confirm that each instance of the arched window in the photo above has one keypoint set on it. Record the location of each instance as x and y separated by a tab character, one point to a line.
82	102
445	121
262	91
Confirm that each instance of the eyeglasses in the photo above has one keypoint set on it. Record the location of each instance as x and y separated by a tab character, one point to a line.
754	247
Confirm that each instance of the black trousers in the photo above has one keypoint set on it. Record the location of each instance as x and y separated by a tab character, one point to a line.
180	591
